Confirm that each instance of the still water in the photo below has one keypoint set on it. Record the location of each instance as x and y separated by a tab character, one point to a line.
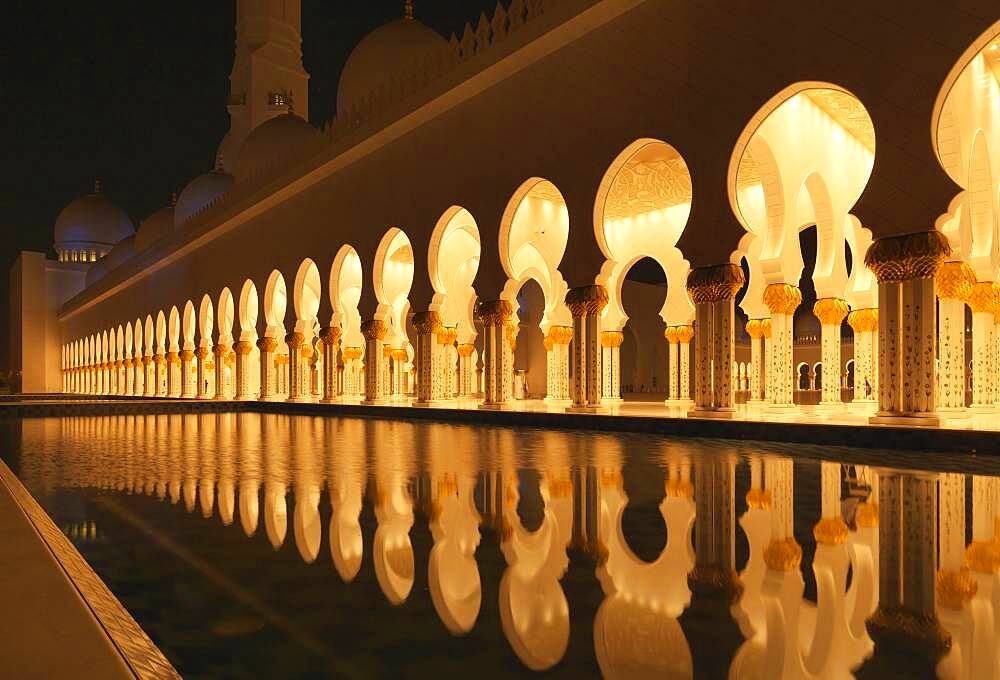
251	545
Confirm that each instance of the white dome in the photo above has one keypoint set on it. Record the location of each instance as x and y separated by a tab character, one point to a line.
153	228
273	143
91	221
381	54
199	192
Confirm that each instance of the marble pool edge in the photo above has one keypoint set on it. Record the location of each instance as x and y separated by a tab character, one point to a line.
143	658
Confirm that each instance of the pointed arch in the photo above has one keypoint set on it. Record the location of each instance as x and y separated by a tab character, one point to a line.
345	286
452	263
392	280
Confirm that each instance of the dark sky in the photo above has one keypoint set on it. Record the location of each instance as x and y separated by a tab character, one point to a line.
134	93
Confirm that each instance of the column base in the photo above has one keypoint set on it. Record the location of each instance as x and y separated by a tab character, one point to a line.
679	403
555	401
982	409
953	412
506	406
432	403
270	397
587	409
714	413
782	409
374	402
302	400
830	407
909	419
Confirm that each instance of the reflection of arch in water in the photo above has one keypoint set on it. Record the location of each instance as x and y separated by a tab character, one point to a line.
392	550
534	613
347	484
452	572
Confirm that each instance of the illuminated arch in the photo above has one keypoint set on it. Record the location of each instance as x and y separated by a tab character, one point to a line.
392	279
189	326
452	263
275	304
161	333
306	296
534	232
804	158
249	304
643	204
346	282
226	315
174	329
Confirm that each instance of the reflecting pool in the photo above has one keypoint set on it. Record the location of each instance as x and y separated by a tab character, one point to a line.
251	545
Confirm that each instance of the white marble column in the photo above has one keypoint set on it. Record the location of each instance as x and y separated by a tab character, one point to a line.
187	381
781	299
955	281
466	374
755	329
160	372
673	370
557	342
712	289
201	386
864	322
352	379
296	342
905	266
243	368
831	313
586	303
983	300
330	337
499	358
611	343
446	337
374	331
266	347
427	324
220	351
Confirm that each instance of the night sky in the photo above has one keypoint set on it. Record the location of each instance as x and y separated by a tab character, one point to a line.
134	93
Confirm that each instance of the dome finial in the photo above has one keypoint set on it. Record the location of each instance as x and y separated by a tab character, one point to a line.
97	185
408	9
173	199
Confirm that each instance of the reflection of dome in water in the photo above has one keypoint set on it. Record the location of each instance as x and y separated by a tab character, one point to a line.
380	55
91	220
275	142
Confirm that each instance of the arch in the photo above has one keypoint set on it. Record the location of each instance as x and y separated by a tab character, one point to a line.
226	316
206	321
120	342
129	340
642	207
452	264
346	282
161	333
148	335
275	304
189	326
174	329
805	157
849	373
802	376
249	304
306	295
981	208
534	233
392	277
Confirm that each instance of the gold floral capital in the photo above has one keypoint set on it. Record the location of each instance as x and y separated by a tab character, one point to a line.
908	256
612	338
173	358
866	515
495	312
715	283
679	488
782	298
670	333
586	300
267	344
830	311
983	556
295	339
954	281
759	499
220	350
330	335
783	554
830	531
187	355
446	335
244	347
560	335
984	297
907	631
863	320
426	322
374	329
466	349
350	353
755	328
955	589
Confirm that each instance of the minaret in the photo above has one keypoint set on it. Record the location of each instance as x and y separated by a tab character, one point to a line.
267	70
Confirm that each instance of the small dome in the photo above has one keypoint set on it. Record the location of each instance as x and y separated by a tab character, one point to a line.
91	222
274	142
155	227
118	255
381	55
199	192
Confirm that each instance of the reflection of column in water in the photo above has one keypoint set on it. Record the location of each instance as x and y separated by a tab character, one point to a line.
646	596
209	444
392	551
249	438
308	480
275	436
534	613
346	479
226	465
